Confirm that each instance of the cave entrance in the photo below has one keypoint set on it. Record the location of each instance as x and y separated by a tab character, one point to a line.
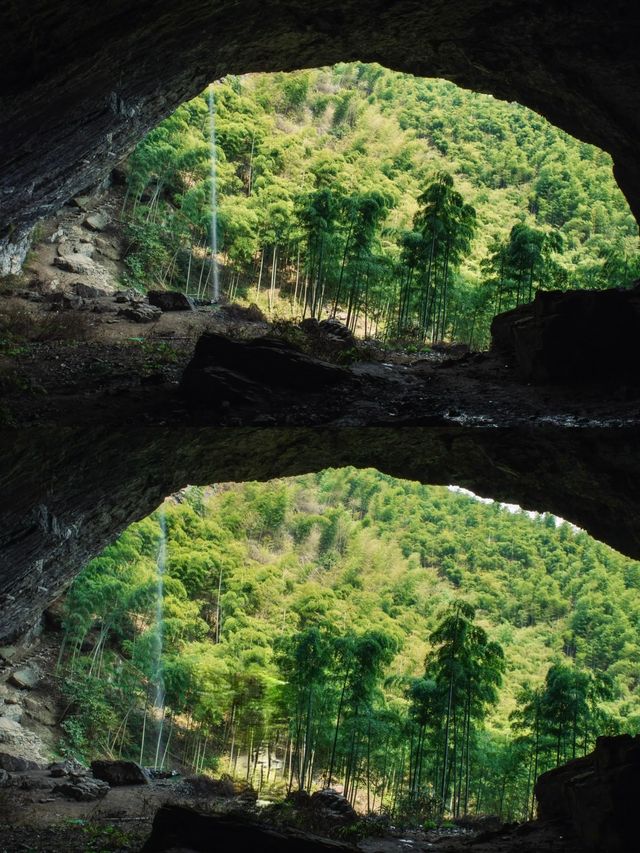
303	632
81	117
410	210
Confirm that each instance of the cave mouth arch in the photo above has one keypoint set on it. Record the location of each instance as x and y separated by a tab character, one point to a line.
350	552
79	95
73	493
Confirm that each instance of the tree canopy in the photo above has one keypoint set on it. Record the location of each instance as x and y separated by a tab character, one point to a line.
408	207
429	652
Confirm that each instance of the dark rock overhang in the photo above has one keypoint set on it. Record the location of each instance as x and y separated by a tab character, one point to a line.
82	83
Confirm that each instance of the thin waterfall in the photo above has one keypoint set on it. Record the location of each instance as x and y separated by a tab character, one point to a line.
215	290
158	667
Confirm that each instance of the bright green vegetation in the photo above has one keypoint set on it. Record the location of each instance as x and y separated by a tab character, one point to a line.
426	650
409	207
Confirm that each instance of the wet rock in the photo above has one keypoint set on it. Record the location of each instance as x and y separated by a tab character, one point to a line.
5	779
597	795
176	827
62	301
299	799
154	773
82	789
33	782
140	313
119	772
576	335
96	221
31	295
451	350
245	794
330	337
170	300
16	764
334	327
25	678
488	823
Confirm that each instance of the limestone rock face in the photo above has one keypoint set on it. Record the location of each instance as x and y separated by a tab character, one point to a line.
598	795
81	88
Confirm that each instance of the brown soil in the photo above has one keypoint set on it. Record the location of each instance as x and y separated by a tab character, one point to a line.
34	820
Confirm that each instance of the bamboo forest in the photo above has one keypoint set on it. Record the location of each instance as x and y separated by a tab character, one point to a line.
429	652
411	209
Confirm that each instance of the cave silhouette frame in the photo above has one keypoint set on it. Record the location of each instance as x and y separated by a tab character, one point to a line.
80	90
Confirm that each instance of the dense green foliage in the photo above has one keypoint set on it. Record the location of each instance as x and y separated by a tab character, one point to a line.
426	650
406	206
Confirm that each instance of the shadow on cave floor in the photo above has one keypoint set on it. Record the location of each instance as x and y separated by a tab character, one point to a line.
120	371
31	818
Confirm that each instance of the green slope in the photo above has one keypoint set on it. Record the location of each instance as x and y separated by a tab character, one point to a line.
252	567
359	129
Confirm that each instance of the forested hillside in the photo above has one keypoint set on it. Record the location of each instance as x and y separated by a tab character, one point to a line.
409	207
430	652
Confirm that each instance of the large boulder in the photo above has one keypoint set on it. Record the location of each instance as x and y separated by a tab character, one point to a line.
333	806
140	313
119	772
576	335
82	788
16	764
176	827
329	338
206	787
96	221
26	677
69	766
170	300
597	795
91	291
238	372
75	262
242	313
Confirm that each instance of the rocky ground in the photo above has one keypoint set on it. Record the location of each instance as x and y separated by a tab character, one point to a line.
35	816
76	344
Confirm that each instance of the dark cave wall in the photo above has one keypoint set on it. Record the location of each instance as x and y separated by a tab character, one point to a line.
83	82
65	496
